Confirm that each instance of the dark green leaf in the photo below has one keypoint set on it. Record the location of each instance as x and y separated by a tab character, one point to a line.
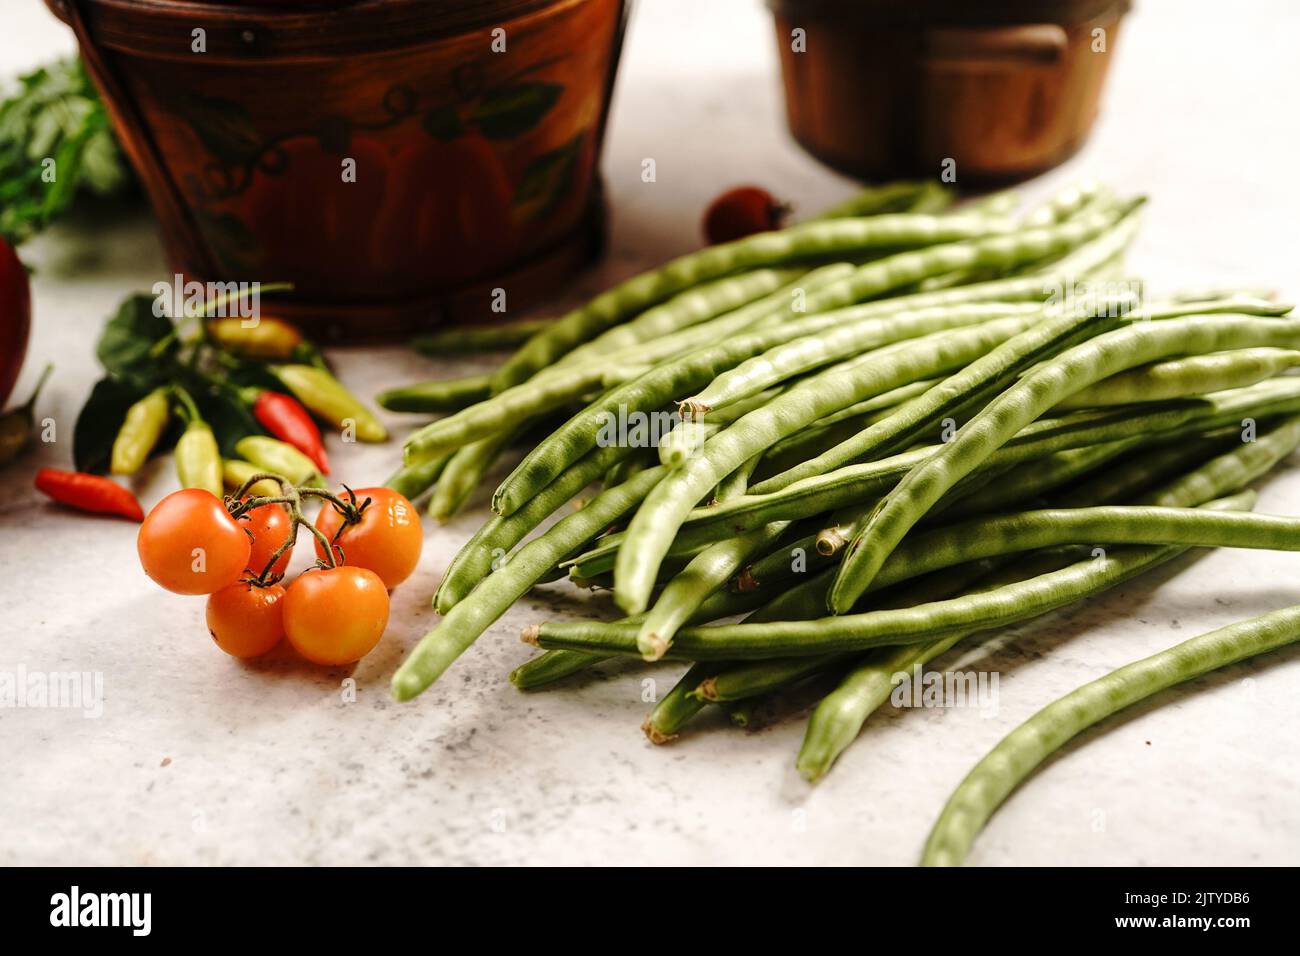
227	416
546	181
513	110
442	124
126	344
99	421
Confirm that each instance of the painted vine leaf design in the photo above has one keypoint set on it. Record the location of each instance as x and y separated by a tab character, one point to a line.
514	110
546	181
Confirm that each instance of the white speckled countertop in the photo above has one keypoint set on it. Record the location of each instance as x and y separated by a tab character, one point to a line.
200	759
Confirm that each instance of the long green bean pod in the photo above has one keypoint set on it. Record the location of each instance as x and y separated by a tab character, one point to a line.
493	542
438	395
671	379
854	632
677	706
689	308
1026	747
411	481
972	385
707	572
1190	375
814	351
1023	402
495	593
655	524
463	473
800	242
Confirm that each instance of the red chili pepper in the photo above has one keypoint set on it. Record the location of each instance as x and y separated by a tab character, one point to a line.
284	417
85	492
742	212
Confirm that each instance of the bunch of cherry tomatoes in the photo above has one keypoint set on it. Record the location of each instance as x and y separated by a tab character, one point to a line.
236	551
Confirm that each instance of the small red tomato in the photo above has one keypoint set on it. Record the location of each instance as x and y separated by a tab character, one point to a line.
387	539
269	526
246	620
189	543
335	616
742	212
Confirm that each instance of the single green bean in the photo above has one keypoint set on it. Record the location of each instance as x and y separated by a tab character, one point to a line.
888	197
1023	402
464	473
439	395
472	339
1026	747
676	707
1192	375
549	667
411	481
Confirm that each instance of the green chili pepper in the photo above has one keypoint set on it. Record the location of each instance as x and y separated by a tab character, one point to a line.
140	431
16	424
270	454
325	395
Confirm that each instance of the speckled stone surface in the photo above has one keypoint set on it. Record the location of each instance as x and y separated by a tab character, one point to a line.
199	759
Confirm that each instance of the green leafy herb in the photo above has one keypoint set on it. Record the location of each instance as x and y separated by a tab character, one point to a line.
56	144
129	345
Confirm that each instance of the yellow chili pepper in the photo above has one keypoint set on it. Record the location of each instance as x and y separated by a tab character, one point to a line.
198	459
235	472
144	424
271	454
265	338
325	395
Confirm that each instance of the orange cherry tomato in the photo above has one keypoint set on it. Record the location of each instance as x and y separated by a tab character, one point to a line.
246	620
189	544
335	616
387	539
269	526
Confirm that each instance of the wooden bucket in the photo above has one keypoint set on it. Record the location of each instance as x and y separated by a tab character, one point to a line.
397	160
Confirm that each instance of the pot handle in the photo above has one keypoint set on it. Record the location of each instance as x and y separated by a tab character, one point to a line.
1040	44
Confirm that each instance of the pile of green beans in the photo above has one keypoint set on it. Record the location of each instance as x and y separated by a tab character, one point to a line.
872	436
